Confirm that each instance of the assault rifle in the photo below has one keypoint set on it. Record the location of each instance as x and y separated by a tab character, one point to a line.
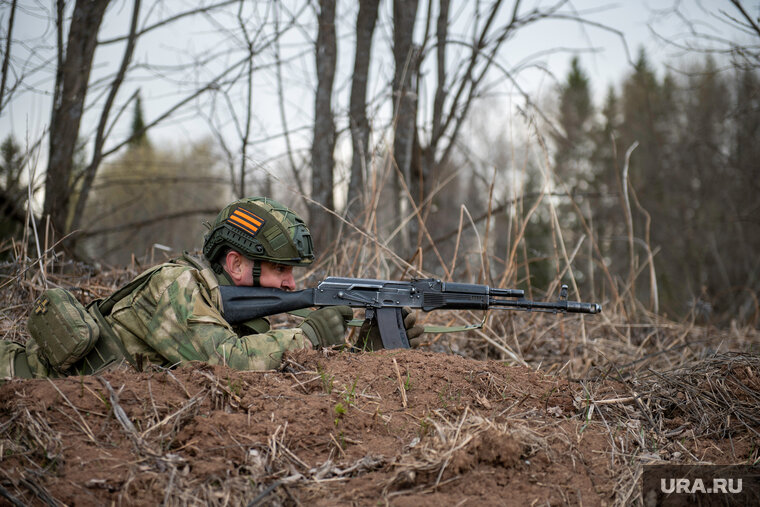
383	300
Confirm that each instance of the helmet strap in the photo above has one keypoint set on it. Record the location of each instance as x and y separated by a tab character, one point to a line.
256	272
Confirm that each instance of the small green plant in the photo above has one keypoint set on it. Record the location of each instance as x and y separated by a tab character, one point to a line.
235	387
106	401
327	379
548	394
350	394
444	395
340	411
408	382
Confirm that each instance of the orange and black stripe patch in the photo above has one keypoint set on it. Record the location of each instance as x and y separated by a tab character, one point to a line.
245	220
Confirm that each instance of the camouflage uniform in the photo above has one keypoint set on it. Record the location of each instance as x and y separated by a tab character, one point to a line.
176	317
173	317
16	360
172	313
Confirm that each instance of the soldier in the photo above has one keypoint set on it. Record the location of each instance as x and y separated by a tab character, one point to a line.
171	313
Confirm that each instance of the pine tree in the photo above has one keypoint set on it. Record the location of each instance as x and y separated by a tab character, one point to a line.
573	152
12	195
11	165
139	136
575	119
649	118
741	239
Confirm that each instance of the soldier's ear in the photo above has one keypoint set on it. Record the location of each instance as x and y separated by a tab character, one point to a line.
234	265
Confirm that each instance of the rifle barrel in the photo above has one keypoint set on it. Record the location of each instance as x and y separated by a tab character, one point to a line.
548	306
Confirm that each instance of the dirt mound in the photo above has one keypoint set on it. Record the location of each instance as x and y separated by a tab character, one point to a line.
402	427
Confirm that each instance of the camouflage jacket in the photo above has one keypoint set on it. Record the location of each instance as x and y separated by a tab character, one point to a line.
174	315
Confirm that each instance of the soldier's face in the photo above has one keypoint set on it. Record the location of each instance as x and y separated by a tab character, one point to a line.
277	276
240	270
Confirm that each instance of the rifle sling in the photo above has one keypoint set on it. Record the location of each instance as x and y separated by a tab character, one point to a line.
451	329
427	329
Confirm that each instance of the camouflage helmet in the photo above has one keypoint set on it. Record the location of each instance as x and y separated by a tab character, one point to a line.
261	229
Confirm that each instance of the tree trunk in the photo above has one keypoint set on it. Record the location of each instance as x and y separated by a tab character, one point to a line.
428	166
72	77
405	56
100	135
365	27
323	143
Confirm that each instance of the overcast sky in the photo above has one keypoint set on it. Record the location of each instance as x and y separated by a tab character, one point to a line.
605	56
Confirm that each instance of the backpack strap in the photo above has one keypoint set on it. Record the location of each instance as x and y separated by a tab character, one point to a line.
106	305
108	350
193	261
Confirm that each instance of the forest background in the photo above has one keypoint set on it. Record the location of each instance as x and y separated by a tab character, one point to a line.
411	126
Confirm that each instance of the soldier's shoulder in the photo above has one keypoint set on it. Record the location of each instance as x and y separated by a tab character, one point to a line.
181	264
171	271
194	261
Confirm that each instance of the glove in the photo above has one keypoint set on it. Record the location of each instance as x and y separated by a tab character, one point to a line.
369	335
327	326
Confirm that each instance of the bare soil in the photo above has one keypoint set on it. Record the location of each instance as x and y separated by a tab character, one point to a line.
395	427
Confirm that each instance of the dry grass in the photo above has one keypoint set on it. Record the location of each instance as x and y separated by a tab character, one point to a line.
716	397
646	382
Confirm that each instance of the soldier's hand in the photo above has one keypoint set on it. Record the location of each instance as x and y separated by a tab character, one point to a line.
369	335
413	331
327	326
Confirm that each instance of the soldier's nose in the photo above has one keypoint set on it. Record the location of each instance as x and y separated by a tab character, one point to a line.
289	283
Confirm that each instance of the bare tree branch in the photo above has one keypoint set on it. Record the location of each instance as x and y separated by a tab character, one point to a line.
283	117
171	19
751	22
7	55
149	221
100	136
70	90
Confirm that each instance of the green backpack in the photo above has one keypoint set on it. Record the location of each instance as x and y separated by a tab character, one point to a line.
63	328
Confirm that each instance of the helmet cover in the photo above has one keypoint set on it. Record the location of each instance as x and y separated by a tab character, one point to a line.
261	229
